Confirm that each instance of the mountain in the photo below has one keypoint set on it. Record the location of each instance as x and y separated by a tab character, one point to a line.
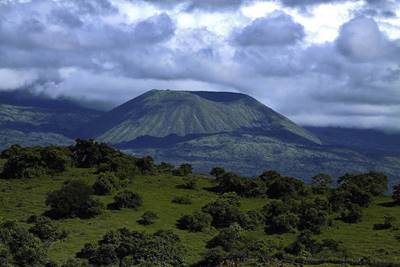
232	130
30	119
162	113
205	129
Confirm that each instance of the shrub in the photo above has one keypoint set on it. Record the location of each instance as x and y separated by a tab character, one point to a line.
388	222
73	200
183	170
227	238
21	247
197	222
121	165
321	182
129	248
127	199
89	153
46	230
224	211
373	183
188	183
182	200
396	194
107	183
217	172
148	218
146	165
352	214
165	168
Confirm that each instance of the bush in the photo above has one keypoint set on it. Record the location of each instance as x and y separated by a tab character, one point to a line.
73	200
127	199
224	211
182	200
352	214
129	248
388	222
90	154
148	218
21	247
217	172
373	183
396	194
183	170
188	183
46	230
321	183
146	165
197	222
165	168
107	183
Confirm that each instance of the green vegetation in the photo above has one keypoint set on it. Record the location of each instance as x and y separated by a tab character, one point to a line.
56	216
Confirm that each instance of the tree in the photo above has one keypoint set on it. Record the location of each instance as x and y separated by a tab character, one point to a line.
46	230
107	183
146	165
396	194
148	218
217	172
352	214
22	247
73	200
224	211
197	222
227	238
374	183
127	199
321	182
183	170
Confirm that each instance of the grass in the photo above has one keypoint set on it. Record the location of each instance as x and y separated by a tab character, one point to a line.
21	198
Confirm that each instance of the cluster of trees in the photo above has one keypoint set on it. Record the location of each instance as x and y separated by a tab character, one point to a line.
130	248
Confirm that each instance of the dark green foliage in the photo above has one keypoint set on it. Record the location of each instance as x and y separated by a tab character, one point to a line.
251	220
183	170
73	200
89	153
217	172
232	182
374	183
35	161
148	218
312	218
18	247
321	182
47	230
10	152
227	238
146	165
127	199
75	263
108	183
388	222
129	248
224	211
188	183
307	246
352	214
396	194
123	166
284	188
165	167
279	217
197	222
182	200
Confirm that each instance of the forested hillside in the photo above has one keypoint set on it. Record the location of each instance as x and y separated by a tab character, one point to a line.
91	205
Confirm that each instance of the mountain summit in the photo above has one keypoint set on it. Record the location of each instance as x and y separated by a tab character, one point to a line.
161	113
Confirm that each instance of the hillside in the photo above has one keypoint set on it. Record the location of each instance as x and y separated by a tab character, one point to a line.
29	119
364	238
161	113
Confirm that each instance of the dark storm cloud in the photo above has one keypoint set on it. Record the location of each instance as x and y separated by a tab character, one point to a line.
278	29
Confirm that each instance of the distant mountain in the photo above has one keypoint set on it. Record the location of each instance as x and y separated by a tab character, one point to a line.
36	120
367	140
161	113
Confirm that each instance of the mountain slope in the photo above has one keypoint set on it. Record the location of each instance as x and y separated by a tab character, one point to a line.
37	120
161	113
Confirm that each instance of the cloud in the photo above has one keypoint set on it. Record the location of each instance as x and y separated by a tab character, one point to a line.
360	39
274	30
209	5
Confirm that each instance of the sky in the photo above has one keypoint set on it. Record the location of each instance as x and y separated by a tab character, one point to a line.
318	62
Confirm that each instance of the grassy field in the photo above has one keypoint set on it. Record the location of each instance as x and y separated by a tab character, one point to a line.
21	198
